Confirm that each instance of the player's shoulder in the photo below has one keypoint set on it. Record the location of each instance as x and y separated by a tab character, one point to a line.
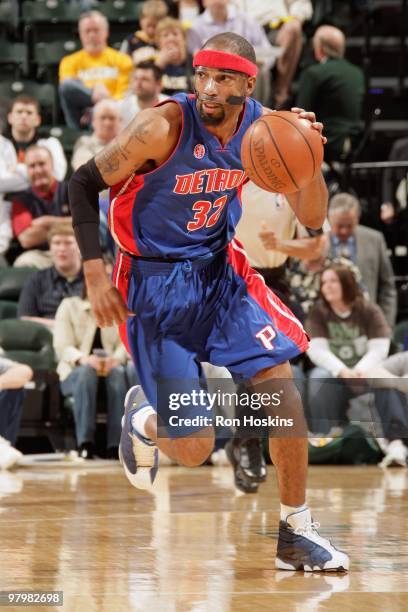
169	108
158	127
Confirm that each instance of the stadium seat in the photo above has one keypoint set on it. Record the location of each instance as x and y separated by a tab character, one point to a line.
123	17
31	343
46	21
12	281
44	93
27	342
13	59
67	137
8	17
47	56
8	310
122	11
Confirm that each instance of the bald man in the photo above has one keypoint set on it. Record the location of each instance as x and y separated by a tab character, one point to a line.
106	124
334	88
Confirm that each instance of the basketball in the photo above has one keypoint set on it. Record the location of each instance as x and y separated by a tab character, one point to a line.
281	152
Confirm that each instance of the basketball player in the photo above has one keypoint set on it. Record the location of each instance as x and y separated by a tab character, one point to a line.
183	291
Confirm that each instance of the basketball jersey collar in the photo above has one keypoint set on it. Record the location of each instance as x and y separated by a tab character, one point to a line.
211	136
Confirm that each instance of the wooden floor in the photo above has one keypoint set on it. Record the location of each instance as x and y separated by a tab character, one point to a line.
196	545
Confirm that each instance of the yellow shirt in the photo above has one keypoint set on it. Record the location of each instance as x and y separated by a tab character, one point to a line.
110	67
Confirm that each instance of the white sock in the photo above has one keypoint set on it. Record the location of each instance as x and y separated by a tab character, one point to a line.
286	510
139	420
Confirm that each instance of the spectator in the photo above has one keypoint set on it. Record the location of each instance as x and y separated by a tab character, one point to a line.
43	292
173	59
349	335
394	210
221	16
37	209
179	9
392	376
24	120
141	45
93	73
283	21
366	248
187	11
106	125
10	177
77	340
334	88
13	175
13	377
145	88
6	232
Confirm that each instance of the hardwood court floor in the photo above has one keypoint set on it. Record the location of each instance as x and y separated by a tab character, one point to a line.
196	545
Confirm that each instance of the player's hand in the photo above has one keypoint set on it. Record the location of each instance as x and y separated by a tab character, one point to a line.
310	116
107	304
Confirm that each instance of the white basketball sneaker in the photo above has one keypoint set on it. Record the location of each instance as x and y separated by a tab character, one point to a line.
300	547
138	455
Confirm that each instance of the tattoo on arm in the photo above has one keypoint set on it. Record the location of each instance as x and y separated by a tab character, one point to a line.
108	161
139	131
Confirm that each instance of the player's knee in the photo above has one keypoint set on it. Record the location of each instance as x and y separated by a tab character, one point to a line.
280	371
191	452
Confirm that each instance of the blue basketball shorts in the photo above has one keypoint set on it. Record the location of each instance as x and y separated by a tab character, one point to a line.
217	310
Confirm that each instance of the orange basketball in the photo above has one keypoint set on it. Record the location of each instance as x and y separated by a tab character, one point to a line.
281	152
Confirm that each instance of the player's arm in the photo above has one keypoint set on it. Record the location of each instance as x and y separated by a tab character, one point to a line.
310	203
149	138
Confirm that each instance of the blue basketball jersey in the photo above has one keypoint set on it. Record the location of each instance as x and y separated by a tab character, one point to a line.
189	207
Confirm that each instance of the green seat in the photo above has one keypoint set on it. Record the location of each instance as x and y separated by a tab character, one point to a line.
47	56
13	59
32	343
121	11
67	137
27	342
8	310
8	16
44	93
123	17
12	281
49	20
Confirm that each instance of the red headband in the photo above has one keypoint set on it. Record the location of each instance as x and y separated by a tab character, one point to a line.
219	59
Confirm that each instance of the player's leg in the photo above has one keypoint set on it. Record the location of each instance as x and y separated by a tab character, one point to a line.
162	307
288	447
148	424
255	337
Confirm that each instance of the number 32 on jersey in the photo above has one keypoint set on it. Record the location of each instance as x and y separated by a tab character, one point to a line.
206	213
